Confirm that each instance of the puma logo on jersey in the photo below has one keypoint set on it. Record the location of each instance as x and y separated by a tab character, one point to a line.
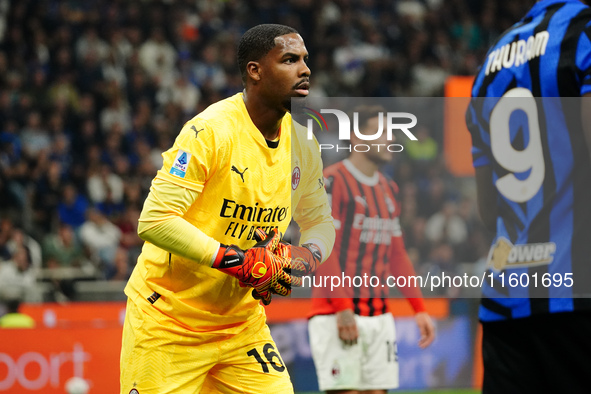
239	173
196	131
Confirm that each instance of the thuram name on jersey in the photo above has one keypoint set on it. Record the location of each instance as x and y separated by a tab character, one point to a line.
517	53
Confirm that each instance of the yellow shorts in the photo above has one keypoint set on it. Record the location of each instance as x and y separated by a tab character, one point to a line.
162	359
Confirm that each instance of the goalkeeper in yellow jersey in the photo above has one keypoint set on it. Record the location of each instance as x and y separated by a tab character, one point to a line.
236	172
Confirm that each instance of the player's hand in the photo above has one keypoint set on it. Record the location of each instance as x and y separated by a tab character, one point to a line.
347	327
266	296
426	328
258	267
304	259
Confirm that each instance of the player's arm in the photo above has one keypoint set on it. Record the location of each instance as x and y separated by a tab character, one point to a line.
586	118
482	161
583	62
187	167
313	216
340	298
162	223
487	197
317	233
401	265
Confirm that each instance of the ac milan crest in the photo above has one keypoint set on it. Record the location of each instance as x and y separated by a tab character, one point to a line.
336	370
295	178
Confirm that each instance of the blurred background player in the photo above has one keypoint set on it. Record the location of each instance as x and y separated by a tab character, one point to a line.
534	181
232	169
353	339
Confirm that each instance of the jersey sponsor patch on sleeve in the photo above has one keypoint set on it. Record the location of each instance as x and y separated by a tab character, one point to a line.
181	162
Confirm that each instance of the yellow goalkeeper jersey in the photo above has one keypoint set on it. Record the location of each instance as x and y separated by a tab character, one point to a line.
243	184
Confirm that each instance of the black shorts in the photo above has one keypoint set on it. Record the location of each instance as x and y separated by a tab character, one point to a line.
548	353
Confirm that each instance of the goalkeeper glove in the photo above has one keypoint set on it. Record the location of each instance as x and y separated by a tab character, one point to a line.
304	259
258	266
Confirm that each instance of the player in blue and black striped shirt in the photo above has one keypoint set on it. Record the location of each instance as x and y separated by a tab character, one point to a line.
533	172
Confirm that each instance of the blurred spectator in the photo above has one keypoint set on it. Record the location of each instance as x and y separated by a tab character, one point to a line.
62	249
101	237
428	78
63	90
417	240
34	136
90	42
116	112
431	197
128	224
105	189
13	168
121	48
139	88
446	226
121	268
114	71
351	57
16	275
183	94
207	72
157	56
72	208
425	148
20	240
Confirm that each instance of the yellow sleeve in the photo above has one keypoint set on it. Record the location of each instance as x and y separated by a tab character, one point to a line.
162	224
194	156
320	232
313	213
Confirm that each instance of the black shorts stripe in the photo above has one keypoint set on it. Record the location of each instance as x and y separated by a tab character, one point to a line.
497	308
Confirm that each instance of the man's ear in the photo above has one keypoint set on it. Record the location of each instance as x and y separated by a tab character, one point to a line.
253	70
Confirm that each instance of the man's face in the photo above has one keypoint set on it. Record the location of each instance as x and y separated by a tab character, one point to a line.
378	152
284	72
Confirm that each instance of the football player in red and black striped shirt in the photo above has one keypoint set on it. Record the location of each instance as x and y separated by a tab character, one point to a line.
362	358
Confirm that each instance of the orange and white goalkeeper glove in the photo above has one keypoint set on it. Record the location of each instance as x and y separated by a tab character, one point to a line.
305	259
259	267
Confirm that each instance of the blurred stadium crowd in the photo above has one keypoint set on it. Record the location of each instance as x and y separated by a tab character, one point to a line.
91	92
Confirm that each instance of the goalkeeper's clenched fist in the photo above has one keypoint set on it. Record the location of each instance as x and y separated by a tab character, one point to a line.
258	266
303	260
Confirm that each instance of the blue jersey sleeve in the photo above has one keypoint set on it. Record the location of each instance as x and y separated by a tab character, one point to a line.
583	59
481	153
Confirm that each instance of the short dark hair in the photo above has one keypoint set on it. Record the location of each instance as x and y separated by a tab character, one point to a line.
365	113
257	42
